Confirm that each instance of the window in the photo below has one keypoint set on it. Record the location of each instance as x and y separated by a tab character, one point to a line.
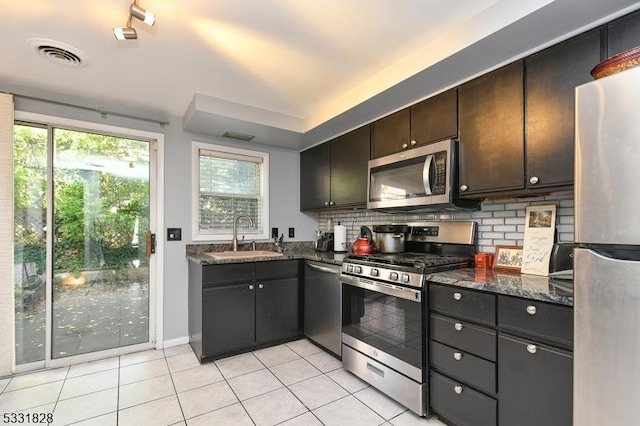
229	182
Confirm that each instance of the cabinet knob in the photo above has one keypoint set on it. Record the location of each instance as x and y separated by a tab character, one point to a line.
260	285
457	326
457	356
532	349
457	296
405	146
463	188
531	310
533	180
250	286
413	143
326	203
331	203
457	389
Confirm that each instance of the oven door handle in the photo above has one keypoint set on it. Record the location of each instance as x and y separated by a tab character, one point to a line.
389	289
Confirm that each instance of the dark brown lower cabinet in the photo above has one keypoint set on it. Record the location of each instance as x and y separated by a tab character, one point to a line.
535	383
277	310
461	404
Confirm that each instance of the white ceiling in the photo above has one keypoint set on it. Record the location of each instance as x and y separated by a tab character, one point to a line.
275	68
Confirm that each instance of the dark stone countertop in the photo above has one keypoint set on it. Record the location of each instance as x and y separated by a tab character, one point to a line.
293	250
512	284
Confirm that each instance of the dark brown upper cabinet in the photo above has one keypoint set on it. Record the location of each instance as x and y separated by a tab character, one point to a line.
491	132
551	77
427	121
623	34
334	174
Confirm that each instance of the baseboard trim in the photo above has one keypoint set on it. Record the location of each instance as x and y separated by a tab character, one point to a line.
175	342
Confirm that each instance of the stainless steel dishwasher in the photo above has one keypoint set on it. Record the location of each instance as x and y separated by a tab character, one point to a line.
323	305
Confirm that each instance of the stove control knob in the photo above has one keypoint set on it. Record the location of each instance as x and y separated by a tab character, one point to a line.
374	272
393	276
358	269
405	278
350	268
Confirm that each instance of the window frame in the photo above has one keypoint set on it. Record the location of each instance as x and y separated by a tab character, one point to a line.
196	234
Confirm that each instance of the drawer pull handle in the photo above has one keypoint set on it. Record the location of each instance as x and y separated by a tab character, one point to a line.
457	356
457	389
457	326
531	310
375	370
532	349
457	296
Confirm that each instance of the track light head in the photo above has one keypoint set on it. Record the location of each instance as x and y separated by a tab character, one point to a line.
125	33
142	14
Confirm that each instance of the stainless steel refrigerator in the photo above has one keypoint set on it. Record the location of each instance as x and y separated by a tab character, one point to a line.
607	264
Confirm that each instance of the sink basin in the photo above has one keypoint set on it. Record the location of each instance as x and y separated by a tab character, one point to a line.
221	255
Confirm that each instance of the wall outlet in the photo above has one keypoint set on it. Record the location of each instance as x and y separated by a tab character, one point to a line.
274	232
174	234
292	233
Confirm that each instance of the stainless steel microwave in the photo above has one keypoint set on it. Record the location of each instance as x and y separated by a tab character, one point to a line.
419	179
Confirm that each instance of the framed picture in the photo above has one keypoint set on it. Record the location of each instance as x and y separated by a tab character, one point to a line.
508	258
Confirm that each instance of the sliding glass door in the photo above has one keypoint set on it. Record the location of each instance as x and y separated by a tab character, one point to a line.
82	209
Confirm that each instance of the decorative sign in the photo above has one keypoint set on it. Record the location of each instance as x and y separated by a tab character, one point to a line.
539	233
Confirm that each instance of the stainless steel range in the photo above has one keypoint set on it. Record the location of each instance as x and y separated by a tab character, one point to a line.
384	308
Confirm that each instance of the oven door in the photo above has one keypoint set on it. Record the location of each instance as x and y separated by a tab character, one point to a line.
386	323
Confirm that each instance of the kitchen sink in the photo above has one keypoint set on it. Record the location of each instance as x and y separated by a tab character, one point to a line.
221	255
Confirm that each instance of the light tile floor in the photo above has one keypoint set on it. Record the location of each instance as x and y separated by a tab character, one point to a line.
295	384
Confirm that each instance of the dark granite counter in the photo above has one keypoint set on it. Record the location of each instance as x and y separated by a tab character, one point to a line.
521	285
293	250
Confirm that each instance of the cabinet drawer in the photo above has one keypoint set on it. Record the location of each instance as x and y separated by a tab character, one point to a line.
277	269
461	404
476	340
229	273
538	320
460	303
469	369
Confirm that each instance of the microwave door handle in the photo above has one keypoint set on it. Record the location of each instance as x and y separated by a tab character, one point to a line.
426	172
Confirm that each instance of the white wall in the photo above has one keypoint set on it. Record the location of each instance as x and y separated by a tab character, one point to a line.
284	205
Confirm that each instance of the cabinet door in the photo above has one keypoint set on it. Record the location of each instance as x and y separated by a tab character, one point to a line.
277	310
389	134
315	177
491	124
551	78
534	384
435	118
349	167
623	34
228	318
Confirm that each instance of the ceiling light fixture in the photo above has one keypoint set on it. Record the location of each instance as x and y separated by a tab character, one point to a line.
135	11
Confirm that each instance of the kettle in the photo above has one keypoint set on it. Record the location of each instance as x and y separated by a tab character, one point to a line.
364	244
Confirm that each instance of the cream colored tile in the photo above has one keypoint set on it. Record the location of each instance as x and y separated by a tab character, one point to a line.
192	378
317	391
33	396
165	411
306	419
347	412
274	407
347	380
4	383
86	407
233	415
88	383
324	362
138	357
254	384
239	365
276	355
177	350
145	391
110	419
409	418
93	367
143	371
303	347
182	362
294	371
39	378
207	398
386	407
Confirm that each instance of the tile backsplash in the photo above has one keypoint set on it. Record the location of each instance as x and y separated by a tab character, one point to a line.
500	222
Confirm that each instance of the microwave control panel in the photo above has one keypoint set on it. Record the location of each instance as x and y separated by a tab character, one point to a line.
439	173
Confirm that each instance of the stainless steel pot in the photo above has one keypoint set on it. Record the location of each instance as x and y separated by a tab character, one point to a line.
390	238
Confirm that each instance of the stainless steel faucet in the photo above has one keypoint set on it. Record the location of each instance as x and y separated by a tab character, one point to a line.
235	229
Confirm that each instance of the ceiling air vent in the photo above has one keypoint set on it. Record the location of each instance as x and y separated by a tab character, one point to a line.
240	136
58	52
